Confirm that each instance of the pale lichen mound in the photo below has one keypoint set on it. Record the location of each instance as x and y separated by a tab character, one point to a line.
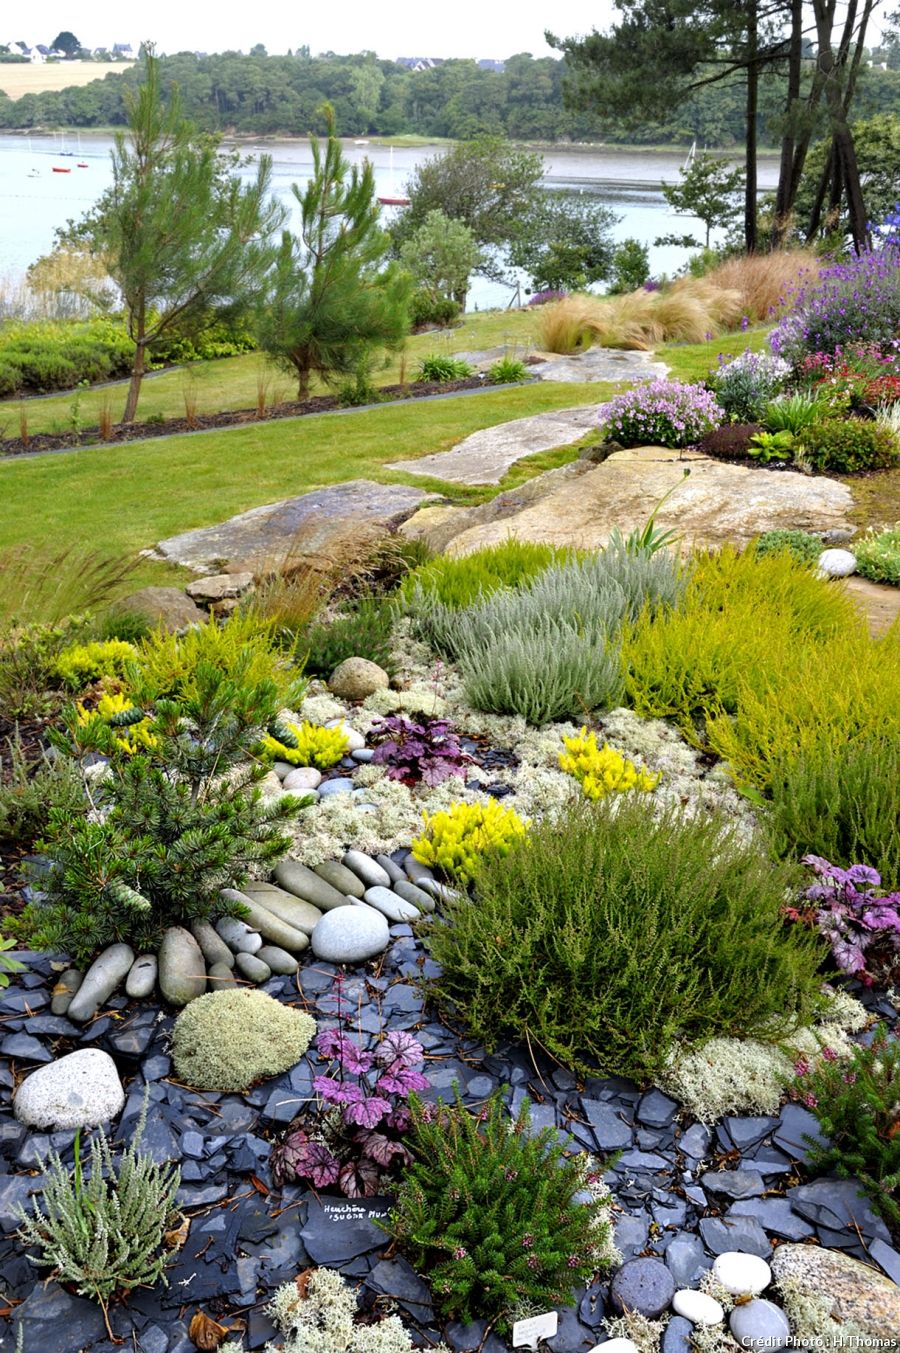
226	1040
324	1320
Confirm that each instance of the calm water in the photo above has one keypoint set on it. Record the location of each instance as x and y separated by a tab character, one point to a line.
34	201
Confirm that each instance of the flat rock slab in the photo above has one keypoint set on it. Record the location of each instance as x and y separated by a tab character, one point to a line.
717	503
307	527
485	456
601	364
879	603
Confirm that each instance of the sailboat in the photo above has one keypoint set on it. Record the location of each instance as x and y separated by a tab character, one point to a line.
394	198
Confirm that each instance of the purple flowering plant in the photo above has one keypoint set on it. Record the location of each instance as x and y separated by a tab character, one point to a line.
858	920
427	751
662	413
356	1139
856	301
546	296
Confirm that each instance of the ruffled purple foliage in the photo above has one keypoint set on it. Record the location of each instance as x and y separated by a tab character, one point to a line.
852	914
426	752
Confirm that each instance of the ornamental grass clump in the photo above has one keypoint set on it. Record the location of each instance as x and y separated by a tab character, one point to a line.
653	927
603	770
661	413
104	1233
456	841
494	1213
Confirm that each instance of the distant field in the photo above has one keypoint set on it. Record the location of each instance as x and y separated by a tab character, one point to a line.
16	80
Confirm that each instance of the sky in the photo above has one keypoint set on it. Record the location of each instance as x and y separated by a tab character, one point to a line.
461	28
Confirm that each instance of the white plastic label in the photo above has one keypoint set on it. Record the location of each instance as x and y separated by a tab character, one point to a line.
529	1333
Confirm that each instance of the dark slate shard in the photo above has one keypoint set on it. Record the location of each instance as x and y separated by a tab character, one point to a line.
11	1134
481	1087
54	1026
643	1160
51	1318
775	1215
132	1041
837	1203
281	1252
686	1259
744	1132
397	1279
473	1338
656	1110
886	1258
15	1001
733	1183
33	1151
673	1214
769	1161
610	1130
260	1329
695	1195
159	1140
201	1197
643	1285
192	1145
25	1047
735	1233
677	1336
192	1172
630	1232
591	1306
283	1104
339	1229
794	1126
571	1336
695	1142
611	1087
153	1339
15	1191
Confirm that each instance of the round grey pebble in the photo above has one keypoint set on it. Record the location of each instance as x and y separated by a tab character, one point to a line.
253	968
81	1089
339	785
279	960
760	1324
350	934
643	1285
220	976
65	989
141	978
238	935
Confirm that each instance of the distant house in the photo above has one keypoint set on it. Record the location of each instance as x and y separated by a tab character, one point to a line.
417	63
123	50
498	66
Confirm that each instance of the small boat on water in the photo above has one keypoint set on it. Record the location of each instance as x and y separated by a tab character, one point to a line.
60	169
395	198
82	164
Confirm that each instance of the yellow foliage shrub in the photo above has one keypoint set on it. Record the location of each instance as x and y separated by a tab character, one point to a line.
133	730
603	770
306	744
80	664
454	842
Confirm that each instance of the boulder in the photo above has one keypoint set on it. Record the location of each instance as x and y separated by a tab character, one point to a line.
855	1293
167	607
100	981
357	678
350	934
182	970
219	587
79	1090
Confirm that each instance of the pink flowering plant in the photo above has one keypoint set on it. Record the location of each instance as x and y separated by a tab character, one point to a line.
662	413
426	751
355	1141
860	922
495	1213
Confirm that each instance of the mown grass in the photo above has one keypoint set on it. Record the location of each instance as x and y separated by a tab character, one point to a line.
129	497
235	382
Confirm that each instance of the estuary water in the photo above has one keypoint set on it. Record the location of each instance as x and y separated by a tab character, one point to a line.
35	200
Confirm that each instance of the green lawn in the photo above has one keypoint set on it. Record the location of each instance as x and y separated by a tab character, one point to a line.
235	382
123	499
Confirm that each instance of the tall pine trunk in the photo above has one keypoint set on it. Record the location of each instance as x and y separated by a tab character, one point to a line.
752	119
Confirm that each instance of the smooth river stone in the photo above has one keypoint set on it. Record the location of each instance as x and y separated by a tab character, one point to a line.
410	893
390	867
212	946
697	1307
279	960
341	784
364	867
270	926
240	937
253	968
355	741
64	990
182	970
286	906
81	1089
742	1274
350	934
141	978
760	1324
418	873
100	981
616	1346
295	878
221	975
393	907
301	779
342	878
642	1285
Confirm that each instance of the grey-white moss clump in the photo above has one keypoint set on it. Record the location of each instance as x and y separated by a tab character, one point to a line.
742	1075
323	1321
644	1334
226	1040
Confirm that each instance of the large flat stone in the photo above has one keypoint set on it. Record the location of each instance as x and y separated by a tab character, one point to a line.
310	526
601	364
486	455
719	502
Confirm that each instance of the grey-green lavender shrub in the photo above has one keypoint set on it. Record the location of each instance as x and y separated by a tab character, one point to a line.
104	1232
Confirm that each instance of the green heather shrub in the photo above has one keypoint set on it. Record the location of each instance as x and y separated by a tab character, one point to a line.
45	355
845	445
363	630
461	582
856	1103
878	556
840	799
29	789
743	623
442	367
29	687
652	927
494	1213
102	1230
228	1039
800	545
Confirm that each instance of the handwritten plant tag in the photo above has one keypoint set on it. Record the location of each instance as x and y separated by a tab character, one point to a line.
529	1333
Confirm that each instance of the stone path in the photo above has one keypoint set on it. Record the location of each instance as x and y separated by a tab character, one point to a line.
485	456
879	602
718	502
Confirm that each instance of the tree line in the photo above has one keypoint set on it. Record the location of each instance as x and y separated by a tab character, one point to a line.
264	95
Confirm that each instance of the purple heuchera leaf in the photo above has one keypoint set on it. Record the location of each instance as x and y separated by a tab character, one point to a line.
337	1092
360	1178
401	1082
399	1049
399	1118
300	1158
333	1043
376	1146
367	1113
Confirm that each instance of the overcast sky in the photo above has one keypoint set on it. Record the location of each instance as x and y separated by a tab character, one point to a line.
461	28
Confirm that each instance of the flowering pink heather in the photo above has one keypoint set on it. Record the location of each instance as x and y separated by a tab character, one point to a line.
662	413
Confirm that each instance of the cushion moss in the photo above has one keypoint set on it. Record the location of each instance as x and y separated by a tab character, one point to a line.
226	1040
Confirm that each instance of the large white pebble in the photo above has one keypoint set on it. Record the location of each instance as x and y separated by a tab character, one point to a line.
697	1307
742	1274
836	563
616	1346
355	741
